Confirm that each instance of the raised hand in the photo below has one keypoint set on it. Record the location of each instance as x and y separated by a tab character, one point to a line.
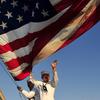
54	64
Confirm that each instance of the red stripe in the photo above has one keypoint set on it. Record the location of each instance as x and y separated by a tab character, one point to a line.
63	4
92	20
24	74
18	43
14	63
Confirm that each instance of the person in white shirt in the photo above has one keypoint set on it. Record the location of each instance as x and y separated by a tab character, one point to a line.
46	87
32	94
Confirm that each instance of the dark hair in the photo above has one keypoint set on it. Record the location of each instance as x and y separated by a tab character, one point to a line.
44	75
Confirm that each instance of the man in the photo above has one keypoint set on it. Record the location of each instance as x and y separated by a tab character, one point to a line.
46	87
32	94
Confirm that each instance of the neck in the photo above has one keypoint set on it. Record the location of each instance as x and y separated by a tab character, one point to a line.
45	81
30	89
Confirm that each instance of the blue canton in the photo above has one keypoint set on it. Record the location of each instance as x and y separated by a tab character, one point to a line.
16	13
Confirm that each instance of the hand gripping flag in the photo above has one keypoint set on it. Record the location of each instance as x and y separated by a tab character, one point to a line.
32	30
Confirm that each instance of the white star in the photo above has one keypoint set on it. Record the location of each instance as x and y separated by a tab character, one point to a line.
9	14
3	1
3	25
44	13
33	13
37	5
20	18
25	8
14	3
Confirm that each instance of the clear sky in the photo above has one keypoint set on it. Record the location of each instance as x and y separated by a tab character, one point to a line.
78	70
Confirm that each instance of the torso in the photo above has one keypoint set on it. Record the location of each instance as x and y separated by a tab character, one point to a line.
49	95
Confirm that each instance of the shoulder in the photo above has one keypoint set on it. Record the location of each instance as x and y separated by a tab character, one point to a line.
39	82
32	92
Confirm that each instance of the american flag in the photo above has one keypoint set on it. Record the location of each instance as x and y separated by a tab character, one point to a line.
32	30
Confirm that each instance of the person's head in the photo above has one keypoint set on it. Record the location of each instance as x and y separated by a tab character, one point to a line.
30	84
45	76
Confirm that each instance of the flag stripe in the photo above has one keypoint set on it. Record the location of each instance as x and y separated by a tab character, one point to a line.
20	52
63	4
92	20
14	63
19	69
55	2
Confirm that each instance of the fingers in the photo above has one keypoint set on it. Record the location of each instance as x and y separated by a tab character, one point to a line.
55	61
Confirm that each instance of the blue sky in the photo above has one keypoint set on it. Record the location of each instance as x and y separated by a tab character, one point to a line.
78	70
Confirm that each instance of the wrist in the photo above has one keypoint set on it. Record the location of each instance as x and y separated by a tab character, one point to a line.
21	90
54	70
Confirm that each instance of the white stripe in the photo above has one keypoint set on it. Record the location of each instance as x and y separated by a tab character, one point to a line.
34	27
66	33
54	2
28	28
18	53
15	72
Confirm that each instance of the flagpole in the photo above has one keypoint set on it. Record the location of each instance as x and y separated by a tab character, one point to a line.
5	69
2	97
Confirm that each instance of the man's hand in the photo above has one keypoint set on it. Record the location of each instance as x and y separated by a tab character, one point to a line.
54	64
19	88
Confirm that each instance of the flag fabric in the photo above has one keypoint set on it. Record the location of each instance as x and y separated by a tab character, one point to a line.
32	30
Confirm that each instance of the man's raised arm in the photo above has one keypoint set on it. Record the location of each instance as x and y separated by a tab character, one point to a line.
55	75
27	94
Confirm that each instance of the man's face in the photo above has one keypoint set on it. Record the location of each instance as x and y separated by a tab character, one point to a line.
46	78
